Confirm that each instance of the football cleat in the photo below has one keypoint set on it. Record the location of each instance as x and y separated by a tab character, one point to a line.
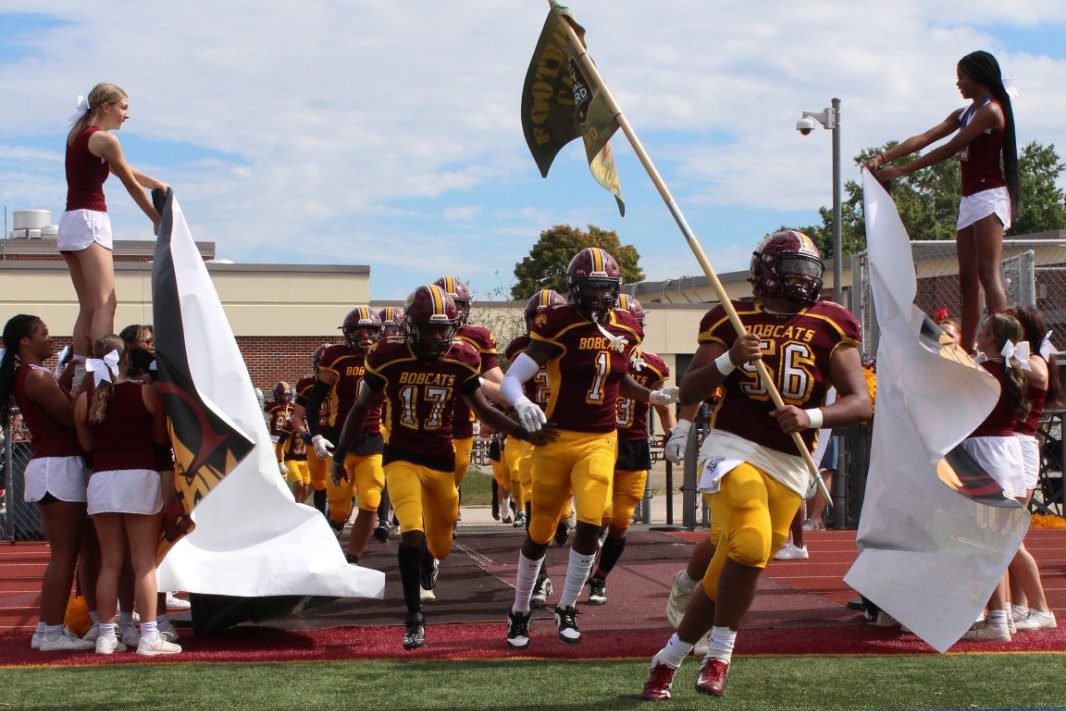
414	635
381	531
597	591
711	677
541	590
520	520
660	680
430	573
566	622
517	630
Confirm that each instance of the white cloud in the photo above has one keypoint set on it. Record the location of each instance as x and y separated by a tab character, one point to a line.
343	131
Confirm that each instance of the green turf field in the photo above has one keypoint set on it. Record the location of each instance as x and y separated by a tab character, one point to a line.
993	681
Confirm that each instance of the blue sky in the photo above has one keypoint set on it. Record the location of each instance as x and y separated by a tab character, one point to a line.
388	133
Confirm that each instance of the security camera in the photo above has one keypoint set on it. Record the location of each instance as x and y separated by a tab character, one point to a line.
806	125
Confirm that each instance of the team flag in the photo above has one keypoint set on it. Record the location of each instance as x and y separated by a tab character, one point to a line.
559	103
233	529
930	554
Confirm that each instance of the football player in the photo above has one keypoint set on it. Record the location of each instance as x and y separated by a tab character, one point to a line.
392	329
316	466
634	456
339	373
279	410
484	342
586	345
422	378
753	476
292	461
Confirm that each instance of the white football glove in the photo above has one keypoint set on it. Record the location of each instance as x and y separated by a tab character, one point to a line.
323	447
529	414
675	447
282	469
666	396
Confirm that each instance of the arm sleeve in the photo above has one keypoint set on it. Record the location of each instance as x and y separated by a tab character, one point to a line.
314	406
522	369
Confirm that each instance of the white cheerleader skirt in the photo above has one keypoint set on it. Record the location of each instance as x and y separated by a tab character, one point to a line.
63	477
1030	459
1001	457
127	491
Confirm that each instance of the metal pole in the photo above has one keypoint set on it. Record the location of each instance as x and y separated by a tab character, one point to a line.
838	255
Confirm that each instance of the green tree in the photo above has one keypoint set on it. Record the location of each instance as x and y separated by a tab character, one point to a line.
928	200
545	267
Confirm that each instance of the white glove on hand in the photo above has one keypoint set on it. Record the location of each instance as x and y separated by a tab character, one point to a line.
666	396
323	447
529	414
674	450
282	469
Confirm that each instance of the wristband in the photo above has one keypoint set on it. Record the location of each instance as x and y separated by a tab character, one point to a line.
725	364
817	417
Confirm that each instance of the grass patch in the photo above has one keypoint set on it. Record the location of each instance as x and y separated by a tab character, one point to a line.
477	487
765	683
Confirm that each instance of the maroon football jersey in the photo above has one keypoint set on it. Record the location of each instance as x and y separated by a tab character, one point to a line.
303	395
536	388
349	368
631	416
796	349
295	447
584	379
484	343
280	414
422	399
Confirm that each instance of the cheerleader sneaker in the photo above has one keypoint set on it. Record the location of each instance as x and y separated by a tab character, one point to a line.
157	647
109	645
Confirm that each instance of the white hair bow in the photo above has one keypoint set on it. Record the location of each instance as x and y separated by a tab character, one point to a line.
1046	349
1019	352
81	107
59	360
1009	87
103	368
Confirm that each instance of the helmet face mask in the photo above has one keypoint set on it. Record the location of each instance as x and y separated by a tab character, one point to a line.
787	265
594	281
431	321
361	329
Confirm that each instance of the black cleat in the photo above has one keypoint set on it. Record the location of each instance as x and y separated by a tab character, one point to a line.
541	590
414	635
381	531
597	591
566	622
517	630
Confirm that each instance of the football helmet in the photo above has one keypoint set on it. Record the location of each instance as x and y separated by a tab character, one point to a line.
316	357
431	320
392	321
630	304
594	279
460	294
281	389
787	264
541	301
361	328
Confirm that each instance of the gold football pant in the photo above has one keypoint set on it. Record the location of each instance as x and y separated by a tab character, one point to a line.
424	500
581	463
298	471
626	493
365	479
319	469
753	512
463	448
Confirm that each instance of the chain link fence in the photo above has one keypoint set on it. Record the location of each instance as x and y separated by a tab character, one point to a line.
1034	274
19	521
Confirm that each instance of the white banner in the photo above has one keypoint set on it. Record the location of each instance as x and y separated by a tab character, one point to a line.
929	556
250	538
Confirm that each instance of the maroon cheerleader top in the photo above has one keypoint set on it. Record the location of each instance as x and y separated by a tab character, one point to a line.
49	437
124	439
86	174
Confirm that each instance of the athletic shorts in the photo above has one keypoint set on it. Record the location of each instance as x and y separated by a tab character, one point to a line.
127	491
1001	457
65	478
1030	459
994	201
80	228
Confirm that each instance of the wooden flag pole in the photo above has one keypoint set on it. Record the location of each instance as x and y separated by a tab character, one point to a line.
589	68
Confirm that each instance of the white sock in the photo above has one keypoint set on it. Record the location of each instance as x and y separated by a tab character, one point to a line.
997	617
53	631
577	572
524	582
162	620
674	652
41	626
106	630
1019	610
149	631
721	646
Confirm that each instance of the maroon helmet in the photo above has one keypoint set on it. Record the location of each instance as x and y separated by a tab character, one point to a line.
281	389
541	301
431	319
392	321
630	304
787	264
594	279
460	294
361	328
